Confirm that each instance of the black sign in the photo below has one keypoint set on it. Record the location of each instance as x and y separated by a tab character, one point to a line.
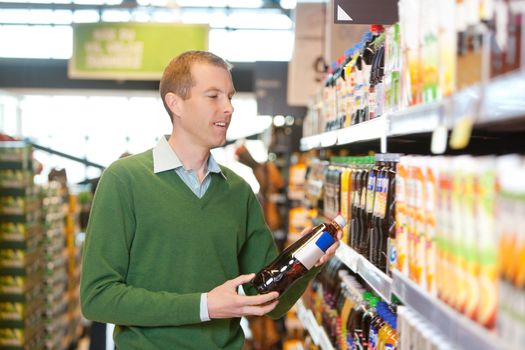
271	80
365	11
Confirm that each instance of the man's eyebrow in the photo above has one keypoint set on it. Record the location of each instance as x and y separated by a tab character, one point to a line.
216	89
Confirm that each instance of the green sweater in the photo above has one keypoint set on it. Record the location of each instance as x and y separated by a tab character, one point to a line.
153	247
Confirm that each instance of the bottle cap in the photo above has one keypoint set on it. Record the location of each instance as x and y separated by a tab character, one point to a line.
340	221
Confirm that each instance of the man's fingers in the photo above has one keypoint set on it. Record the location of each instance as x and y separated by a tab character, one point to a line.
306	230
237	281
259	310
259	299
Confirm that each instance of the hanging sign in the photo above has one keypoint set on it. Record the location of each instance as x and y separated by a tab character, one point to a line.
131	51
365	11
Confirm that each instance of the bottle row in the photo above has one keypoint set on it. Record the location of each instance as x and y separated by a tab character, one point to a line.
352	317
436	49
449	224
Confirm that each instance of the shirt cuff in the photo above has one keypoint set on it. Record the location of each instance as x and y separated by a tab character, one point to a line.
205	316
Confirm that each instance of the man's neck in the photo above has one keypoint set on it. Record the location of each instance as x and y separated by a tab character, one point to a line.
191	156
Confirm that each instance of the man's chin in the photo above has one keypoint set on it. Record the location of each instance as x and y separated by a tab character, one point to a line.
218	144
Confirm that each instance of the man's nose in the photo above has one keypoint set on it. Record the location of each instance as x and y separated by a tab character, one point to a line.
228	107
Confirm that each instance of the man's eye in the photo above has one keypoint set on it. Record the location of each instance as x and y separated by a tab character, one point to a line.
213	96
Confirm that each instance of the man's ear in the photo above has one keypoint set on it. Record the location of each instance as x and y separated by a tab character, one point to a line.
174	103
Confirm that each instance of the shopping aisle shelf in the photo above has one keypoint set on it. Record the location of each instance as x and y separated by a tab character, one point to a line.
374	277
316	331
459	329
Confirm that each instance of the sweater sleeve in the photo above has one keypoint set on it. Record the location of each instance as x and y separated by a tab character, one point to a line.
104	294
259	251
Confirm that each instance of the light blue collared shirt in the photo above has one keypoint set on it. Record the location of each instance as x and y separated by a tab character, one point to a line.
165	159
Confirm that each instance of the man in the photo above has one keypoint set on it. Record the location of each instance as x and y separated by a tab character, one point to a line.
172	234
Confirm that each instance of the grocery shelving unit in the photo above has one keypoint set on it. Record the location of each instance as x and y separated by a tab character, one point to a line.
500	101
458	328
497	105
21	255
374	277
316	331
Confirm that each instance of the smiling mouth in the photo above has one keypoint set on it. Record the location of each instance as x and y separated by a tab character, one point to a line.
221	124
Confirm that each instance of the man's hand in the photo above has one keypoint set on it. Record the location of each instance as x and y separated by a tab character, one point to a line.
224	302
330	252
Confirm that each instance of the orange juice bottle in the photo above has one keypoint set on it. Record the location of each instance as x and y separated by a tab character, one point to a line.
431	222
445	291
401	216
507	226
458	247
411	218
420	227
487	243
470	236
344	206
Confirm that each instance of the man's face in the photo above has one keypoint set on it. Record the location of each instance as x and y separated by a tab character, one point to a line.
205	116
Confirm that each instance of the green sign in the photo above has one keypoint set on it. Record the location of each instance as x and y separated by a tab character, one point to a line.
131	51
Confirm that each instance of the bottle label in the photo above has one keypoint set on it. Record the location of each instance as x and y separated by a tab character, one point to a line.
314	249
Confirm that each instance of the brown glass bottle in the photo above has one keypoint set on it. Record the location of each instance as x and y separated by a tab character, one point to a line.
295	261
375	224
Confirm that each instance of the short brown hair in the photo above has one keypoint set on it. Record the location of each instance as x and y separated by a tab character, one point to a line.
177	74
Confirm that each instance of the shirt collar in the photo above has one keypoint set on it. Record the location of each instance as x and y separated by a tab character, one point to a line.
164	158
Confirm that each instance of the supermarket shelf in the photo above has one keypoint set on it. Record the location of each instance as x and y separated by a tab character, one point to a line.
370	130
504	98
373	129
310	142
456	327
374	277
316	331
501	100
348	256
416	119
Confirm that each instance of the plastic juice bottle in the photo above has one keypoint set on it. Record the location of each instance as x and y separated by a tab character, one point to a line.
430	50
409	19
470	236
447	43
508	230
345	195
458	246
420	227
337	190
411	218
487	243
445	251
430	215
401	216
